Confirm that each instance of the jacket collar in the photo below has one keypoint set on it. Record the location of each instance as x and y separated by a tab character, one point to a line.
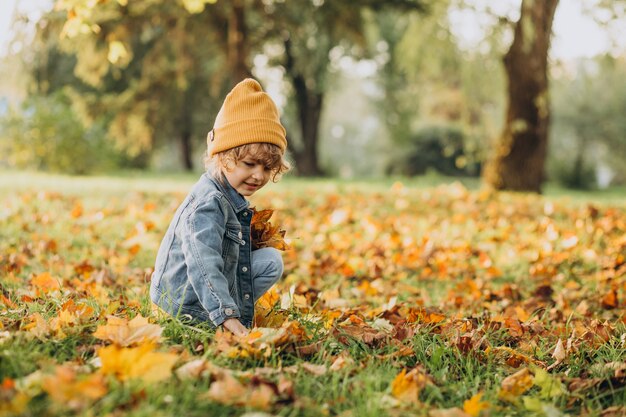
236	200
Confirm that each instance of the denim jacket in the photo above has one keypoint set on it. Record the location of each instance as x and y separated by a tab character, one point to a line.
203	265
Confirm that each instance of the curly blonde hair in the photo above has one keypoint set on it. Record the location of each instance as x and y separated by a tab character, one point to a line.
266	154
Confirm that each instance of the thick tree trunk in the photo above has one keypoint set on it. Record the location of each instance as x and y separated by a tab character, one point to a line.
237	43
309	105
309	112
519	156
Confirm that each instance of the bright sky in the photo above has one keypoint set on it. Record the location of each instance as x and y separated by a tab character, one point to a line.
575	34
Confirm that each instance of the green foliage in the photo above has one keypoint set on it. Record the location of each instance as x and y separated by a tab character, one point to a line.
588	124
438	148
46	134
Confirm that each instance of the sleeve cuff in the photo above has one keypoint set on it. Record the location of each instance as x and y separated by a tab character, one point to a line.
220	315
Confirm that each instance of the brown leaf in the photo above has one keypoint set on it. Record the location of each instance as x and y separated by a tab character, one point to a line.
263	234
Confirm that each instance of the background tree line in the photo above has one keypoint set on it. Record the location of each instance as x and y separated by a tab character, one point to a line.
374	88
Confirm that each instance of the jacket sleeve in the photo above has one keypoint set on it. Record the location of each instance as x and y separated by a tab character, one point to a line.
203	234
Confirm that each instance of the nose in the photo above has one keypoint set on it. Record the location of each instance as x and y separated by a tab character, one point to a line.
258	172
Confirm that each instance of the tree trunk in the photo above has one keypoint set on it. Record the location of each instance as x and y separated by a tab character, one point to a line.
237	43
518	160
309	106
186	149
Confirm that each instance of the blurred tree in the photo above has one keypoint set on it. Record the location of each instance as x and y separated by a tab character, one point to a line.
308	32
586	129
158	69
519	156
433	87
47	135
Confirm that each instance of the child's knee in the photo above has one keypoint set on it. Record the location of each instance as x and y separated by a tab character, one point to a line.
270	260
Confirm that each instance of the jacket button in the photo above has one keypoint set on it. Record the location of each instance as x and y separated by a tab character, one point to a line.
245	214
228	311
244	269
247	296
240	235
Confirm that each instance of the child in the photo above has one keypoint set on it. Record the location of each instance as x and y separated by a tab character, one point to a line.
205	268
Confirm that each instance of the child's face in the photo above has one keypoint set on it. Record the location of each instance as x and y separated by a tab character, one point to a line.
248	176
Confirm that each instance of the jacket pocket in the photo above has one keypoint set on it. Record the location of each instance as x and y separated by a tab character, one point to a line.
235	235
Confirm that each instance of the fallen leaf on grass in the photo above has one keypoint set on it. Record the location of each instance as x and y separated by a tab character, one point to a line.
512	357
140	362
44	283
68	389
363	333
198	368
341	361
550	386
515	385
260	341
230	391
127	333
615	411
316	370
559	354
407	386
448	412
474	406
37	326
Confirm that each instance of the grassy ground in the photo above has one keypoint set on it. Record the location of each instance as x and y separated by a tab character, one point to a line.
414	297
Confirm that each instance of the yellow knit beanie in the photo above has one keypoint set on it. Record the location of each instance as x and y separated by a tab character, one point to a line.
248	115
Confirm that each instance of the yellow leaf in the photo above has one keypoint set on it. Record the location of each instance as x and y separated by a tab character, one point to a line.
474	405
126	333
515	385
406	386
136	363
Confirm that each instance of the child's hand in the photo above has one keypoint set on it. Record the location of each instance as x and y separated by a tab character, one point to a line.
235	327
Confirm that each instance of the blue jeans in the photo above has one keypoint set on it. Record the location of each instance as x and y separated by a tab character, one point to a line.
267	268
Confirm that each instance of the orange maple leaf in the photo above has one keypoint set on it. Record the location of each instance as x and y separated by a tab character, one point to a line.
263	234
